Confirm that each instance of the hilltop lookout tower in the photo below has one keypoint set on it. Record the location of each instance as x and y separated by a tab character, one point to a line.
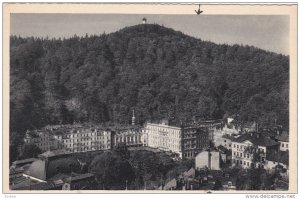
144	20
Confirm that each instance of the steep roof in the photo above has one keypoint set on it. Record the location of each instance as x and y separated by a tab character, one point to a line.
171	184
256	139
45	169
189	173
37	169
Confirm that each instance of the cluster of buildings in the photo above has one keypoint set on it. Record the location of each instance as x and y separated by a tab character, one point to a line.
83	138
248	148
52	170
243	145
185	140
213	144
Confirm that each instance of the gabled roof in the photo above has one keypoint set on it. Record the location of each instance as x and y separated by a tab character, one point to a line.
171	184
189	173
37	170
256	139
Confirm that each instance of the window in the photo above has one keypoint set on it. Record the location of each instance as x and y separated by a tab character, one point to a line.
244	162
234	146
248	155
287	145
233	153
248	164
282	145
237	146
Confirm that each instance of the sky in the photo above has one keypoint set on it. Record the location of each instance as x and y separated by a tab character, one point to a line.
268	32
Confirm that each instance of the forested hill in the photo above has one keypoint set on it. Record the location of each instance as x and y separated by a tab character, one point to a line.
160	72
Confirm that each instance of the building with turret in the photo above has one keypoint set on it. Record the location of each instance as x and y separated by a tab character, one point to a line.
144	20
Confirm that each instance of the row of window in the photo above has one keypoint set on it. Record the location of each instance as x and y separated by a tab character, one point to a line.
239	146
241	154
164	129
158	144
244	147
122	139
158	133
156	138
286	145
242	162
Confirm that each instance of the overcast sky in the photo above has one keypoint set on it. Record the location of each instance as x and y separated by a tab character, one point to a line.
266	32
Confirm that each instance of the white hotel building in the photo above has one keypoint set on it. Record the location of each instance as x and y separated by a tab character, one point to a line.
70	137
164	137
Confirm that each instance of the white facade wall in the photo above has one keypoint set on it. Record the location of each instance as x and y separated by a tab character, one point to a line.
284	146
164	137
240	156
208	159
73	141
230	131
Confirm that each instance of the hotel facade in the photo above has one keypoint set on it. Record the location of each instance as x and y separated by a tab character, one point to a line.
187	141
69	137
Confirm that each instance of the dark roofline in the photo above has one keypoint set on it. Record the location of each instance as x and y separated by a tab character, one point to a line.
256	138
24	161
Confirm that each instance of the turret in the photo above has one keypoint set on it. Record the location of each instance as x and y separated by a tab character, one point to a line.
133	118
144	20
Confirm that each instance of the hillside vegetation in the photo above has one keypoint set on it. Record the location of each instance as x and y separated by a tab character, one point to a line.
160	72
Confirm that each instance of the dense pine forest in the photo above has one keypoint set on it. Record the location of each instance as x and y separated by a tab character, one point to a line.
159	72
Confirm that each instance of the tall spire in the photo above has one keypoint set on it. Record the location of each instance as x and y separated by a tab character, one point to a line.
133	118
